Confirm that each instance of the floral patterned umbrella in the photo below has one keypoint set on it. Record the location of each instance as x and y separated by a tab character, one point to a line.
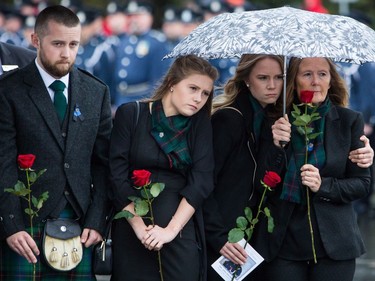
281	31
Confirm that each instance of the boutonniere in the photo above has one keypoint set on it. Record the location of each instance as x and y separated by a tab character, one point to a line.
77	113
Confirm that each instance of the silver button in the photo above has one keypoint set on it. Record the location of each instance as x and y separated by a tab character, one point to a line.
66	165
63	228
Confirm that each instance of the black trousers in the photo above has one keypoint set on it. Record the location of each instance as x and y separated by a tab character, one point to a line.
325	269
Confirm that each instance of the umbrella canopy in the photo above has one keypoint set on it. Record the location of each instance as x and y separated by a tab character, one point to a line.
283	31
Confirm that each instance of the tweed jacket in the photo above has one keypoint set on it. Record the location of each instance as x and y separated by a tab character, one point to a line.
76	159
342	183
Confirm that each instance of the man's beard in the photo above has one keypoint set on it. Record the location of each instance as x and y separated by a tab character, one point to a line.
53	69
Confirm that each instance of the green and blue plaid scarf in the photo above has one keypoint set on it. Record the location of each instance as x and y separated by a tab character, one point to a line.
171	135
292	187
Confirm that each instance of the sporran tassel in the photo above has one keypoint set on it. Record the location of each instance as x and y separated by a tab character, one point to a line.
75	256
64	260
53	257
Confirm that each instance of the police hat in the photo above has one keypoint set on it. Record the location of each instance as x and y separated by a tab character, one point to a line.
139	7
215	7
188	15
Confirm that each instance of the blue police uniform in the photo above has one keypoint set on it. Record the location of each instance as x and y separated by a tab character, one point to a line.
226	68
139	66
86	51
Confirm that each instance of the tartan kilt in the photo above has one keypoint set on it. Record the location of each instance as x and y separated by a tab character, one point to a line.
14	267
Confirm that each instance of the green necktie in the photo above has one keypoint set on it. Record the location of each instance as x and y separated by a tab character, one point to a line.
59	100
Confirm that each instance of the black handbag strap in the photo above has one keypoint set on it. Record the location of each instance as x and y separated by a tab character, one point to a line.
137	115
107	232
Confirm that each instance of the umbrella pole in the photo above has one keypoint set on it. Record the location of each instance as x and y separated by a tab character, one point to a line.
284	87
284	143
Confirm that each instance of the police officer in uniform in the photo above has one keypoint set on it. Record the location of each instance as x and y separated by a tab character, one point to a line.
139	64
226	67
178	23
91	38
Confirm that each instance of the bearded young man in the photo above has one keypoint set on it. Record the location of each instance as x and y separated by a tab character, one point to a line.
71	142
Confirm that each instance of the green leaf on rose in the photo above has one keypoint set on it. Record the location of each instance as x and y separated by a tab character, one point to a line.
241	222
156	188
235	235
267	212
300	130
270	224
141	207
309	130
19	189
298	122
35	201
30	212
314	135
146	194
44	196
123	214
305	118
296	111
32	177
248	213
249	232
41	172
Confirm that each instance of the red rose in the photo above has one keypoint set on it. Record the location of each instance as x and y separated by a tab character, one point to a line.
271	179
25	161
306	96
141	177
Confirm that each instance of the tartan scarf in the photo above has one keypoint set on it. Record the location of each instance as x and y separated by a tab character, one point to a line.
171	135
258	117
292	187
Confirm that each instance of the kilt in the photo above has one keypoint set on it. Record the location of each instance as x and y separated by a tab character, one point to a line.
14	267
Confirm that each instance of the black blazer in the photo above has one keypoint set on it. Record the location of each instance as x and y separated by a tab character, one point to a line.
14	55
342	183
77	157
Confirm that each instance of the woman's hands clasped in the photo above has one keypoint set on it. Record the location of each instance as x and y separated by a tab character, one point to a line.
155	237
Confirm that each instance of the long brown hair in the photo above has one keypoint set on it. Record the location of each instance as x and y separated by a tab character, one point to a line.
181	68
337	93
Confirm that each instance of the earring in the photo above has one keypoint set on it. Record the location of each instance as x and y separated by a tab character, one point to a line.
248	85
171	89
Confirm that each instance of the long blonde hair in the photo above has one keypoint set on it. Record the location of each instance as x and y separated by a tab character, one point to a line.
236	84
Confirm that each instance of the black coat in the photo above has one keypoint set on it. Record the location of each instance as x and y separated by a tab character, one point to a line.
342	183
235	169
136	149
